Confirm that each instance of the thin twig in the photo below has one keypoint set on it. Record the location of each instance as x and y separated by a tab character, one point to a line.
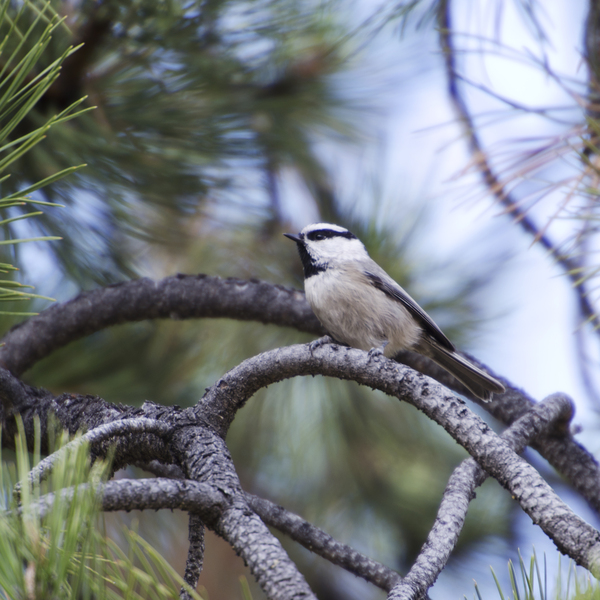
195	556
97	435
321	543
570	267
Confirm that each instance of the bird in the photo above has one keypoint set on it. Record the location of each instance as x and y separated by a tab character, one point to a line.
361	306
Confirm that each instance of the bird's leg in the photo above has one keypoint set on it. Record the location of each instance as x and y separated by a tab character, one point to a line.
326	339
373	352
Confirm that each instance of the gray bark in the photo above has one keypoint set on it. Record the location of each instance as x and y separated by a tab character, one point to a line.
189	444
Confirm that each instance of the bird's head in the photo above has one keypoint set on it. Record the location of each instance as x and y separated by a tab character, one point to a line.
322	245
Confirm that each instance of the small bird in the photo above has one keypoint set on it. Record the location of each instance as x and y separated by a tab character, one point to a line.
360	305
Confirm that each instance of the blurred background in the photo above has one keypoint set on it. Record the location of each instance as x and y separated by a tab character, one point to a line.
221	124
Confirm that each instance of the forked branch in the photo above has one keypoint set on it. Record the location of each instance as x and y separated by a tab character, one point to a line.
212	297
545	418
195	446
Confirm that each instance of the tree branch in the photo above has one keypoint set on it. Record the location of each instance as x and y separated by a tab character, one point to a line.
564	453
98	435
204	457
195	557
201	452
149	494
177	297
201	296
206	501
321	543
572	535
226	514
548	416
306	534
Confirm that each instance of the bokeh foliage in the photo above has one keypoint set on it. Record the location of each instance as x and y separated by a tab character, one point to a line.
193	100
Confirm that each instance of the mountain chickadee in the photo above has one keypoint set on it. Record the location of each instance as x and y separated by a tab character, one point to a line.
360	305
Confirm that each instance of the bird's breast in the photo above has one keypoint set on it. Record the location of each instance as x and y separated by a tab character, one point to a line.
356	313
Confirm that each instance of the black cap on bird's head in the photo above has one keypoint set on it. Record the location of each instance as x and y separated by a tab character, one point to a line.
321	231
321	243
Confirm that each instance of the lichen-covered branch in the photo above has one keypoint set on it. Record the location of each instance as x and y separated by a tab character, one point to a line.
549	416
212	297
197	446
100	434
311	537
195	557
572	535
321	543
177	297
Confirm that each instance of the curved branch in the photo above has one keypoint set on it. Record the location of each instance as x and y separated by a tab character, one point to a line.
99	434
177	297
202	454
201	296
551	414
321	543
146	439
571	534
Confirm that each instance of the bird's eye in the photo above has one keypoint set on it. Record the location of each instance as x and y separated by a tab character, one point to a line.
317	236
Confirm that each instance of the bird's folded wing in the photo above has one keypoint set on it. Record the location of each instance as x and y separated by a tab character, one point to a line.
393	290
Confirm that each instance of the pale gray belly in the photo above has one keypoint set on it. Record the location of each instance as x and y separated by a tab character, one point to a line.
361	320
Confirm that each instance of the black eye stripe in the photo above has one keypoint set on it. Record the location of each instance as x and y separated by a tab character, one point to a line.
323	234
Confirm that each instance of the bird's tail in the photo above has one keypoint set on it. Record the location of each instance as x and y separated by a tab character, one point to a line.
479	382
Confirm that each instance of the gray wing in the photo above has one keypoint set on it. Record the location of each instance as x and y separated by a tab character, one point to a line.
389	287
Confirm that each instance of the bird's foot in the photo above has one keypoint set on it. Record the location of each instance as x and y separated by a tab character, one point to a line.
373	352
326	339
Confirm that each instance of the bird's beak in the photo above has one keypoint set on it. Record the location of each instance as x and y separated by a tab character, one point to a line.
293	237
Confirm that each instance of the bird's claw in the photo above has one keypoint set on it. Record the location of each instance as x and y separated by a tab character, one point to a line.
373	352
326	339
